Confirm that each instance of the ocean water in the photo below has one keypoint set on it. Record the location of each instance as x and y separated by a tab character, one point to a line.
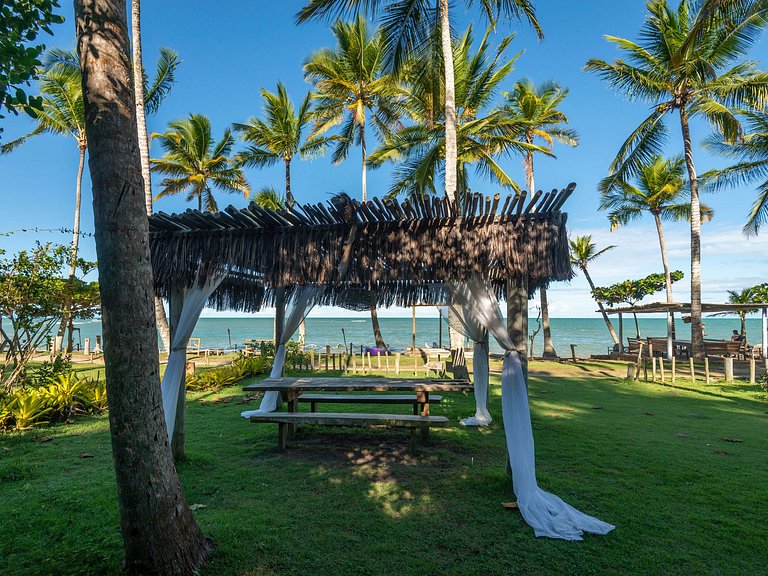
588	334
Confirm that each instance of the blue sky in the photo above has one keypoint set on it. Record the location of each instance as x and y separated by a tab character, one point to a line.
231	49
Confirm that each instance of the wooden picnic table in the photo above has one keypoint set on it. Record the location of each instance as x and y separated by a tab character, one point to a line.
291	388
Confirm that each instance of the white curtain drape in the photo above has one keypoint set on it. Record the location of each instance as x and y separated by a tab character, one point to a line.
546	513
297	308
460	319
193	302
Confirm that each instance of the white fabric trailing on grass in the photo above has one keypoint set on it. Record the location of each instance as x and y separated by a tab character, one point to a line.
193	302
301	302
546	513
467	325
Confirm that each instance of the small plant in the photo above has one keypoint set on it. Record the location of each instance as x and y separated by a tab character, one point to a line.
5	412
95	396
29	408
64	394
250	366
51	370
764	381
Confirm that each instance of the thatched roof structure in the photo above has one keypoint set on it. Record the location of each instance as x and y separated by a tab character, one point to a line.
382	251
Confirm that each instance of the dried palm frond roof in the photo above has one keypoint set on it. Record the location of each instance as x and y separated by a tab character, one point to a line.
380	252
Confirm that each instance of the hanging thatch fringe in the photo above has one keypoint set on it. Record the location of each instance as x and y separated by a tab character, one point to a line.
401	252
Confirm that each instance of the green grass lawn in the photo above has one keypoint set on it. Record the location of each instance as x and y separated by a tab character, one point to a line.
649	458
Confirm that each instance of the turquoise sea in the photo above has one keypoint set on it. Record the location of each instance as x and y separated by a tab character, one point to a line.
589	334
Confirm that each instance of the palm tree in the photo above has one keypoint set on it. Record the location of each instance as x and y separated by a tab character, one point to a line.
538	107
279	136
269	197
408	24
745	296
483	134
686	61
349	86
751	154
148	100
62	112
660	190
584	251
194	164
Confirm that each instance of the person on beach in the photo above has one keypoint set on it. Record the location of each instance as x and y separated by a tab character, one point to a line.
737	337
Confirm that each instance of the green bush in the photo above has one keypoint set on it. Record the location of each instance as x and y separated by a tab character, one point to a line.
29	408
61	365
764	381
95	396
65	394
250	366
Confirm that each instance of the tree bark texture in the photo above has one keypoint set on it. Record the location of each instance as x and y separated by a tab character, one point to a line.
288	194
141	128
160	535
450	102
377	329
601	307
697	334
517	319
549	347
363	184
665	264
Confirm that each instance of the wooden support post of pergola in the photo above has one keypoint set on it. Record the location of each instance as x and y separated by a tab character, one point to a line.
517	319
175	305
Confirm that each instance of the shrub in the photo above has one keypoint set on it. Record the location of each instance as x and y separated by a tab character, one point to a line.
29	408
95	396
249	366
64	394
764	381
61	365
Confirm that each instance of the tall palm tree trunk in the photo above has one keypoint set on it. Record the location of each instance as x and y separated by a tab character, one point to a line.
450	102
378	338
288	195
665	264
697	334
66	313
141	128
601	307
160	535
549	346
363	184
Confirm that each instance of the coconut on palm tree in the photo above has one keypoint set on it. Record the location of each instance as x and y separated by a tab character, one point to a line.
660	189
194	164
538	107
407	25
352	91
751	154
279	136
584	251
484	133
687	61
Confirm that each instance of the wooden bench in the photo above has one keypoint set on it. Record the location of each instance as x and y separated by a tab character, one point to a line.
733	348
286	419
315	399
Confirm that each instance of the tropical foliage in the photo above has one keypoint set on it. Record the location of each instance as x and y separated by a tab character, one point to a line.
751	155
688	61
584	251
195	165
351	88
484	133
659	189
56	401
20	24
32	300
280	136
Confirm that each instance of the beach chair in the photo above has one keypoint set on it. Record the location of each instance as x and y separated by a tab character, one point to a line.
193	346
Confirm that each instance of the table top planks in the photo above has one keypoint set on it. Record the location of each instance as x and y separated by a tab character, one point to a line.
357	384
